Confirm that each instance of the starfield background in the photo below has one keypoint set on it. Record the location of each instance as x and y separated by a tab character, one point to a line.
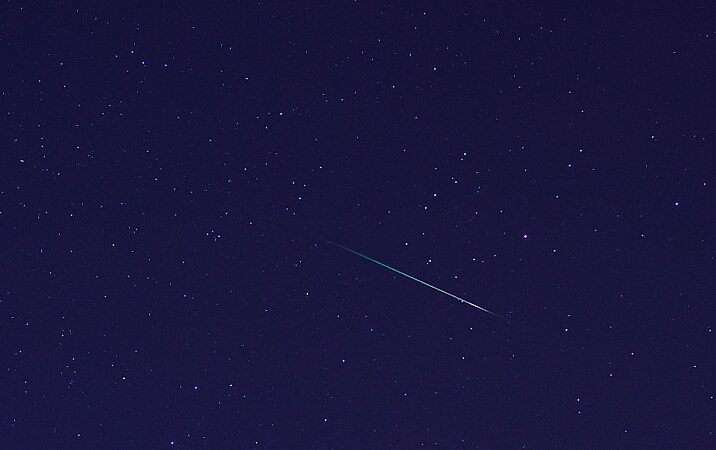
166	167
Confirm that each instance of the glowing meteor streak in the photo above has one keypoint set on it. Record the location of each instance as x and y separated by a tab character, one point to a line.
413	278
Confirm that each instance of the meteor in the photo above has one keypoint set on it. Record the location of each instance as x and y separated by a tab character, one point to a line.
462	300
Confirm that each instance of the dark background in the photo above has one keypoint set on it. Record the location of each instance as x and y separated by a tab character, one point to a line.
163	167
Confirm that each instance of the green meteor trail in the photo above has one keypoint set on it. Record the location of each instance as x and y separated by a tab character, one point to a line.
413	278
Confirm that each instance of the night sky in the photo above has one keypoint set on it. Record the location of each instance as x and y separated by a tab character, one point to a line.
167	171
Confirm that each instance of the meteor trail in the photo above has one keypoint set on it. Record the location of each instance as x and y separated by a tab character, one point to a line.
412	277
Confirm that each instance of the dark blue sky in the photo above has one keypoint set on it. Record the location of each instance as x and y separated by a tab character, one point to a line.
165	168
